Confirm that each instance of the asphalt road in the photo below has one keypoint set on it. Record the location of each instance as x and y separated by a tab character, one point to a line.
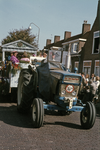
57	133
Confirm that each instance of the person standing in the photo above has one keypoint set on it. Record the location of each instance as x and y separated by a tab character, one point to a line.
10	56
83	80
82	87
92	90
25	57
93	77
87	79
13	58
97	82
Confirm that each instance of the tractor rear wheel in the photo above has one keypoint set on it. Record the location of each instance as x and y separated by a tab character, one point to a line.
25	91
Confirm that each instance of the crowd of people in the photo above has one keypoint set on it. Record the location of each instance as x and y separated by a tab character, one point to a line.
90	87
13	58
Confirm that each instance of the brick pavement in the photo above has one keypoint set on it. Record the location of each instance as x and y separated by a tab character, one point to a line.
58	132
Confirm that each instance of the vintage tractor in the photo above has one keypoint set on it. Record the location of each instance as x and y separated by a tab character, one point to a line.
50	86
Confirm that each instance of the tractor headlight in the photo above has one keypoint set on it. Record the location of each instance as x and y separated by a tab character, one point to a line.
63	92
73	93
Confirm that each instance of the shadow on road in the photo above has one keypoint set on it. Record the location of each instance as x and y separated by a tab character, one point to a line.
65	124
9	115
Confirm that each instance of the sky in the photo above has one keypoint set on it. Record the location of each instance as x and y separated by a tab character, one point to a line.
51	17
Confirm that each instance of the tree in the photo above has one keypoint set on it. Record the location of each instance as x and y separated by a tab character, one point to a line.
22	34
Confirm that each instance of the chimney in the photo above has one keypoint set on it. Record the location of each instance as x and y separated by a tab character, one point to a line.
85	27
67	35
48	41
56	39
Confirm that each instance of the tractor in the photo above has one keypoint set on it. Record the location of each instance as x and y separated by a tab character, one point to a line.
51	86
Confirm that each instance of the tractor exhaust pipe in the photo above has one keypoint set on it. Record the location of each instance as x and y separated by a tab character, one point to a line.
68	62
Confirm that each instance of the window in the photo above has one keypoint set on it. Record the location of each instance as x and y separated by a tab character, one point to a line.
96	42
64	57
87	67
76	65
96	69
74	47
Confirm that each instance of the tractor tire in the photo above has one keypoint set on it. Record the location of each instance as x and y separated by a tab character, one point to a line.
25	91
93	114
37	112
88	116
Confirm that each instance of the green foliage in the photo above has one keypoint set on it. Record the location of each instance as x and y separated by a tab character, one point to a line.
22	34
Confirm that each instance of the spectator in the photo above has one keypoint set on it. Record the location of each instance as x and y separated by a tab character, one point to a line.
92	90
99	93
14	57
87	79
83	79
82	87
93	77
25	57
97	82
10	56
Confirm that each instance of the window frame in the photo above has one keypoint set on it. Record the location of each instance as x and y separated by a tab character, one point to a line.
97	67
87	66
73	47
98	36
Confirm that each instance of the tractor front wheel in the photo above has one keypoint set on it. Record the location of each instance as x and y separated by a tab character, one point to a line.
88	116
37	112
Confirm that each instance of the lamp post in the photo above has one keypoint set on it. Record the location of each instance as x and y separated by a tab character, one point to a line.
38	33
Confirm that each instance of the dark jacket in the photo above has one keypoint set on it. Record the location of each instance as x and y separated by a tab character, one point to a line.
93	88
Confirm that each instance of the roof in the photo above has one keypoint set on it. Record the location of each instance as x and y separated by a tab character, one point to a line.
19	46
59	43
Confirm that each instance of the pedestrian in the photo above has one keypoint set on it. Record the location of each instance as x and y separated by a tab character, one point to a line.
13	58
86	96
93	77
25	57
10	56
97	82
87	79
82	87
92	90
83	79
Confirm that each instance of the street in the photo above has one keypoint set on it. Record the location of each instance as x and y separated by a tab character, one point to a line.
57	133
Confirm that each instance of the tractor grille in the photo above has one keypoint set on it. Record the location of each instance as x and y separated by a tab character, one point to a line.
72	79
64	93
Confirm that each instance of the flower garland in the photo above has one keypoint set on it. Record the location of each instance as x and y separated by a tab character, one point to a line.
5	70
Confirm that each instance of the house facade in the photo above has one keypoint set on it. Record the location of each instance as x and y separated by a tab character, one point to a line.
84	47
90	55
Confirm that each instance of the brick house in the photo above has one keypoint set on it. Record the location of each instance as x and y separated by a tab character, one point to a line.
84	47
90	55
